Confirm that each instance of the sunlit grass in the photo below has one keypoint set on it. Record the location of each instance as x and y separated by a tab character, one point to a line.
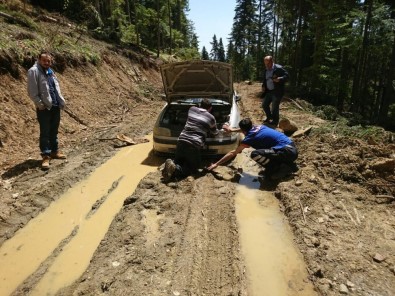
342	128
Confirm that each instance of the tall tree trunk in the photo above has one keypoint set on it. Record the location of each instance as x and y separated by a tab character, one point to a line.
297	61
178	22
274	33
319	48
356	96
136	22
389	92
128	11
277	29
158	28
259	60
170	25
343	83
378	94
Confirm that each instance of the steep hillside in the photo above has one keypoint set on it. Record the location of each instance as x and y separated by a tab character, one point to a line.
117	92
101	83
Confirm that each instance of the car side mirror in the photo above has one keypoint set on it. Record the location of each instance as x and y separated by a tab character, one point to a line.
163	97
237	98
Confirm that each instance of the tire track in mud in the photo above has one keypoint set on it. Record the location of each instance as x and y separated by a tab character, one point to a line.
210	243
194	249
35	277
100	201
84	205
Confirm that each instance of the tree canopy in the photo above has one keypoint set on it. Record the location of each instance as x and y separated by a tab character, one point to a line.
160	25
339	53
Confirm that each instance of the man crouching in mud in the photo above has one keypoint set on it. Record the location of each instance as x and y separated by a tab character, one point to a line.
192	139
272	148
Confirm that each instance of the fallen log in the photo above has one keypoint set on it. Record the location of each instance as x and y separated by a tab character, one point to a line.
7	16
385	196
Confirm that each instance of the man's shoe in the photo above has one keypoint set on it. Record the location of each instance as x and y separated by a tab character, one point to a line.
282	172
45	162
58	155
168	170
264	181
294	167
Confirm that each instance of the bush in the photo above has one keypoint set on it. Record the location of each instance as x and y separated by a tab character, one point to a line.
327	112
187	54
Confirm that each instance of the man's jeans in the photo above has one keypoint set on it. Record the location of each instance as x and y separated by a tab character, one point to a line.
270	159
274	112
49	124
187	160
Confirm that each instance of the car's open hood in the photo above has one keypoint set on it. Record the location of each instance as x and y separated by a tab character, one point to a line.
197	79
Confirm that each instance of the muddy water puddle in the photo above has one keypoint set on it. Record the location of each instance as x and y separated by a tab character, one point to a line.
274	266
73	226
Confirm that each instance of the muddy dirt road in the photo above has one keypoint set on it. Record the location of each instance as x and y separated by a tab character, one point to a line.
194	247
184	238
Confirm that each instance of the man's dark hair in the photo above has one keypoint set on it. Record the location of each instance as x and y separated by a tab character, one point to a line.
245	124
205	104
44	52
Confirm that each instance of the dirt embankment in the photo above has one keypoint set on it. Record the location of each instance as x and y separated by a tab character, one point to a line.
119	97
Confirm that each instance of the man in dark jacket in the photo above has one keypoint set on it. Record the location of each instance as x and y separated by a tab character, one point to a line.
273	85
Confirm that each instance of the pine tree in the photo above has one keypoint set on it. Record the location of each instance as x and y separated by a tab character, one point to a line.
204	55
230	53
214	49
221	51
243	36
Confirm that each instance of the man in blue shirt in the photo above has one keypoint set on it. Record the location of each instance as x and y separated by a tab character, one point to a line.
272	148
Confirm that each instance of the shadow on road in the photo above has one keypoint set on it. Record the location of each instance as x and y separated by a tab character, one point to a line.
21	168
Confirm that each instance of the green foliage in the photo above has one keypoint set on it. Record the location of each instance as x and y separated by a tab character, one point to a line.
75	53
83	12
89	55
19	18
24	47
327	112
128	34
159	24
187	54
248	71
178	40
341	128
